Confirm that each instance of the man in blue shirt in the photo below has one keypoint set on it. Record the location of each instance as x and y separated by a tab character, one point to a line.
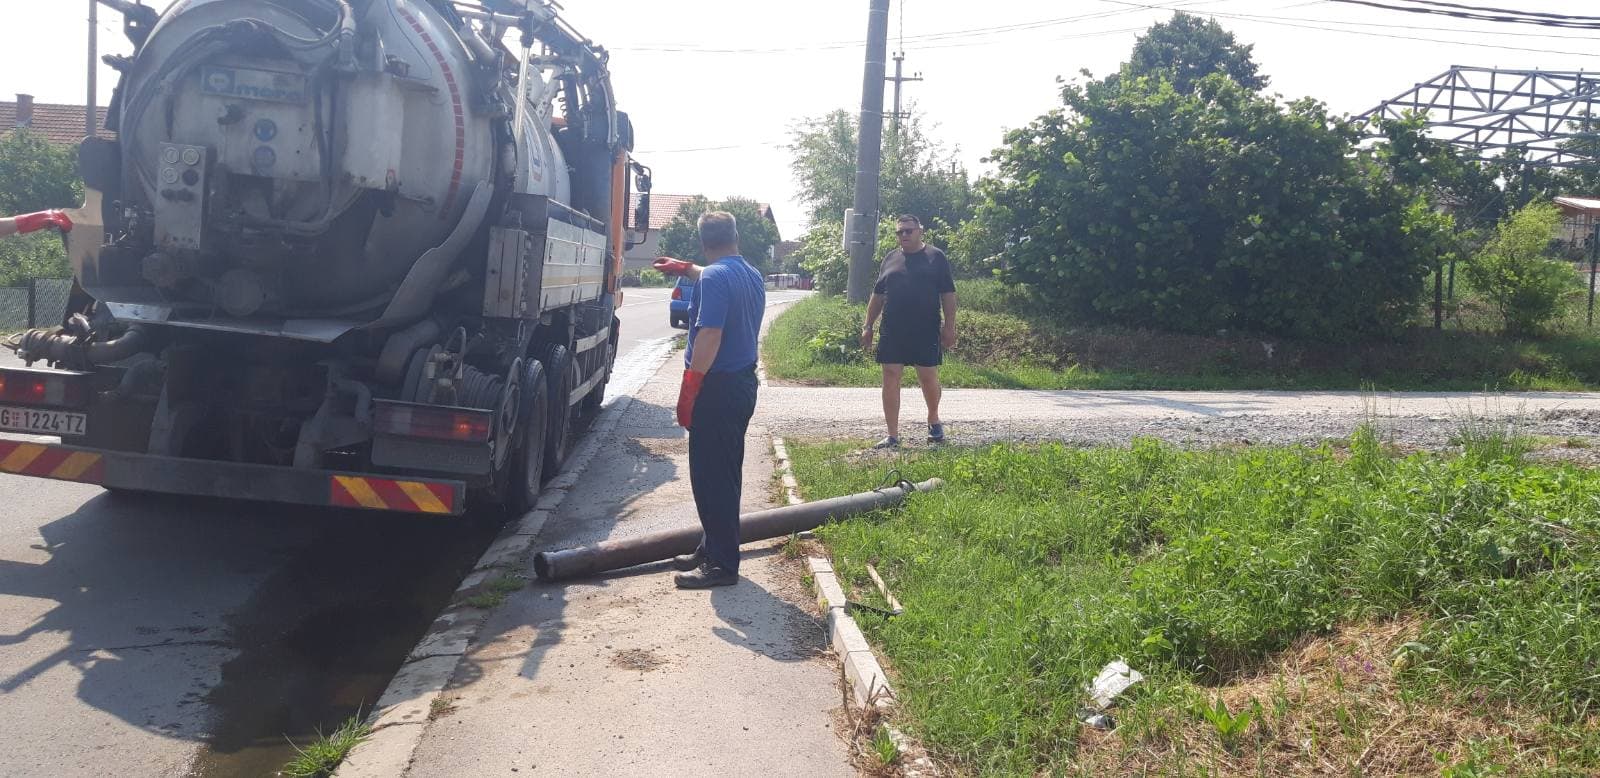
718	394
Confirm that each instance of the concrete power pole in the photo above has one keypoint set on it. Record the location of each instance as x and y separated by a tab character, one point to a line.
861	230
898	79
89	105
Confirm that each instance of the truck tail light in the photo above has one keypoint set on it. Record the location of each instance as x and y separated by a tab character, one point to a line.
677	293
460	425
44	387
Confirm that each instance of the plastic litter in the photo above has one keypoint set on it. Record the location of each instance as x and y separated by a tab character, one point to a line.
1113	680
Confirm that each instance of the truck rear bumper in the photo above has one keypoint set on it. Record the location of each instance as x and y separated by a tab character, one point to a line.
175	475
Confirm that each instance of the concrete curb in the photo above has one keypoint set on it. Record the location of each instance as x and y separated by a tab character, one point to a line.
861	669
400	718
868	683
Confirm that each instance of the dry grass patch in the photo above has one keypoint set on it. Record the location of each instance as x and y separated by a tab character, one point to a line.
1332	705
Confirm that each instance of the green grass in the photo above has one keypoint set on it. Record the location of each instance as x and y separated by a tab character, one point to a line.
321	758
494	591
1000	349
1454	599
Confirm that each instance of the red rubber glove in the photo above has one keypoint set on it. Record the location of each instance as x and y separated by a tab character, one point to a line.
33	222
671	267
687	392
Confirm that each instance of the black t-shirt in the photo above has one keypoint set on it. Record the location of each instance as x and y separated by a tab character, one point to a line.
911	285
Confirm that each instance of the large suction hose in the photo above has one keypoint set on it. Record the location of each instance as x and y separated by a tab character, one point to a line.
73	352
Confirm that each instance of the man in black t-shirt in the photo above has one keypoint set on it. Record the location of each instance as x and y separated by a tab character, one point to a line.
917	297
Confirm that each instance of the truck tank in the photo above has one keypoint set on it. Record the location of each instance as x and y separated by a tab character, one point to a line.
295	158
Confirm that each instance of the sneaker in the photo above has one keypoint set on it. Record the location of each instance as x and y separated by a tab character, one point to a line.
687	562
889	442
705	576
935	433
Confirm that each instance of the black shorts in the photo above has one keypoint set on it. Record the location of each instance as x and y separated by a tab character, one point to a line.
919	349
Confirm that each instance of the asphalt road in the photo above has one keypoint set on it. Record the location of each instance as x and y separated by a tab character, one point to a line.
172	636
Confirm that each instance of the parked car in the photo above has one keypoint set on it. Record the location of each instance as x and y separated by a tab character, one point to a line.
678	306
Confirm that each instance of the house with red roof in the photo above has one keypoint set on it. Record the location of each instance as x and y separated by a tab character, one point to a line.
59	123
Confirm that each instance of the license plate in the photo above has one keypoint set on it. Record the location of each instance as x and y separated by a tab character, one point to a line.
45	422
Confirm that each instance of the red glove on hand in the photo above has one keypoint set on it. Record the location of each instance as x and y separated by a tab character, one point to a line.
33	222
687	392
671	267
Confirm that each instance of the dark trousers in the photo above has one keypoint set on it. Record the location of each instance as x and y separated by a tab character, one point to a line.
716	460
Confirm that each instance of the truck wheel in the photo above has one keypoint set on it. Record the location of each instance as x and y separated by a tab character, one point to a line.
558	376
527	461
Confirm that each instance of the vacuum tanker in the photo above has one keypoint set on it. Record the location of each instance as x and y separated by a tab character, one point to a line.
340	252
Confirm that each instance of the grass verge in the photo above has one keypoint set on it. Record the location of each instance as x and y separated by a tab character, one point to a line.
1294	610
322	757
813	343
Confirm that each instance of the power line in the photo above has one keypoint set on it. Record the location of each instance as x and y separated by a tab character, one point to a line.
1269	20
1575	23
962	36
1499	10
1496	33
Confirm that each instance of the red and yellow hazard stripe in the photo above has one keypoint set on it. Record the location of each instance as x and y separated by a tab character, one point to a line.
351	491
51	462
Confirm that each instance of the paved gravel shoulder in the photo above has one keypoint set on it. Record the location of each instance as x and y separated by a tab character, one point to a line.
977	416
624	675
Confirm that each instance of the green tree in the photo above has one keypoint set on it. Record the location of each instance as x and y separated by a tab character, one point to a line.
1514	271
1147	206
919	175
757	233
1187	49
34	175
822	255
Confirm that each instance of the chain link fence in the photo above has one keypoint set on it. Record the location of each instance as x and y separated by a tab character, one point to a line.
41	302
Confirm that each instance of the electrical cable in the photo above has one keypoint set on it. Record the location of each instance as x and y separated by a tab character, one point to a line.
1263	20
1509	17
963	35
1498	10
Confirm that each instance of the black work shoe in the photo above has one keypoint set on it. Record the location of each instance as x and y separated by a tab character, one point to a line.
706	576
687	562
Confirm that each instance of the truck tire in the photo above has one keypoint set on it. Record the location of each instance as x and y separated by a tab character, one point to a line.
527	461
558	376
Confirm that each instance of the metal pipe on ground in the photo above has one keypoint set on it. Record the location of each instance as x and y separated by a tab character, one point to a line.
760	525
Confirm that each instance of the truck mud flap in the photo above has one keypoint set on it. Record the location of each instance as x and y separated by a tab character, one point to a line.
265	483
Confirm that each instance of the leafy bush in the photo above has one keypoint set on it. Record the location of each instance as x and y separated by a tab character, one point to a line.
822	255
836	346
40	255
650	278
1515	273
1146	206
998	339
35	175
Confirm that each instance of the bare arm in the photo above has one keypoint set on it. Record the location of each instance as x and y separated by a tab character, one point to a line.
8	226
707	342
947	337
874	309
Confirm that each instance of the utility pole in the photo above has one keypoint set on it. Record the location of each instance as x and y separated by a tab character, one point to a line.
898	79
861	231
1594	268
89	112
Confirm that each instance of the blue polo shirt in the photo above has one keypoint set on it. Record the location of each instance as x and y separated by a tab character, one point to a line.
731	295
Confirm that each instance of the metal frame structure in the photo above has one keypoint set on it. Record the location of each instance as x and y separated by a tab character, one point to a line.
1492	110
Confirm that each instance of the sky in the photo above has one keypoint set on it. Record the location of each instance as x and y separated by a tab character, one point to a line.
715	87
